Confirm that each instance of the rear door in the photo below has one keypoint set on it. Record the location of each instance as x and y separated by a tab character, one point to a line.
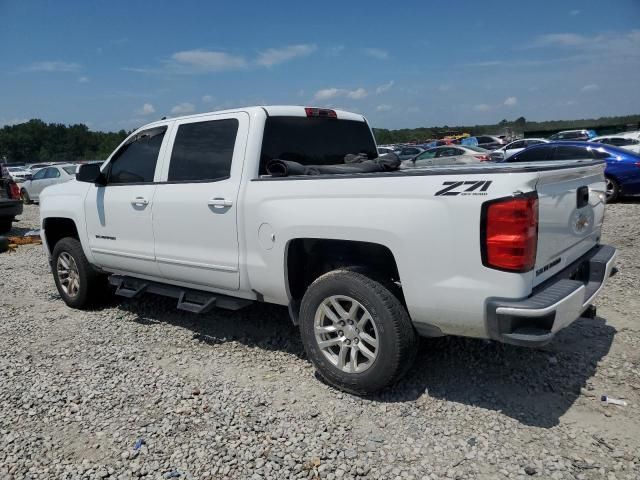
196	207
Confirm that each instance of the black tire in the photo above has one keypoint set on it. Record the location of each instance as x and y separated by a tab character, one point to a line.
25	197
5	225
613	189
93	287
397	339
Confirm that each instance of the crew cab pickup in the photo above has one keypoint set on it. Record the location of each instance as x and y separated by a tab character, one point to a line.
365	261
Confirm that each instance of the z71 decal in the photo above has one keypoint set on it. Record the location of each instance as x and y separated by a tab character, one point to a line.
462	187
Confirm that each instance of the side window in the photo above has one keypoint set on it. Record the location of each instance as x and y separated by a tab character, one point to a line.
135	162
518	144
533	142
39	175
52	173
203	151
600	153
536	154
427	154
569	152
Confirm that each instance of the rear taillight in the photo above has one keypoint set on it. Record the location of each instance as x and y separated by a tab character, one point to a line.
509	233
14	191
320	112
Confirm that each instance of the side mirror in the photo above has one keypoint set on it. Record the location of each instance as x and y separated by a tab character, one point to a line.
90	173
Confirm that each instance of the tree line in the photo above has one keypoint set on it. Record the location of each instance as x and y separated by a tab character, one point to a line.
37	141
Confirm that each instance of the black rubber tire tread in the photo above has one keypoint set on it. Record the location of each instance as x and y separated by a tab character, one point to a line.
616	190
93	285
25	197
5	226
392	321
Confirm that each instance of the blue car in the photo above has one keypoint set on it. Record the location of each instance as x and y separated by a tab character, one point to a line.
623	167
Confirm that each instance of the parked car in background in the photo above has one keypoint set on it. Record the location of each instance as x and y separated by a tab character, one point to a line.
622	172
384	150
18	174
34	167
448	155
407	153
10	205
584	135
628	143
515	147
489	142
31	189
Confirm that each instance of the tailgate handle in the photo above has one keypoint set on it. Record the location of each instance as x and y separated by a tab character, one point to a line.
582	199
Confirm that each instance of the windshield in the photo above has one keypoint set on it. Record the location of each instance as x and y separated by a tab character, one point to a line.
15	169
314	141
71	170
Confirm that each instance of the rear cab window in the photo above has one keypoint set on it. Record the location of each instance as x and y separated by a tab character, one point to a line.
314	140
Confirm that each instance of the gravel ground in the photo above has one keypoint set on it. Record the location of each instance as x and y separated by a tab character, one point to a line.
231	395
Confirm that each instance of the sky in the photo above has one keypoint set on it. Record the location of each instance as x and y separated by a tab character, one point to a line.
120	64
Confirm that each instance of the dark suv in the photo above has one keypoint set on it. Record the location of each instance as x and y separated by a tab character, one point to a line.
10	203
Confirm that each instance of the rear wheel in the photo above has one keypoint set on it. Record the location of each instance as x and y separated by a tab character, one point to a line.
25	197
5	225
356	332
613	189
79	285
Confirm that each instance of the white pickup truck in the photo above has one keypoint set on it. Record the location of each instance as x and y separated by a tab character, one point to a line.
365	262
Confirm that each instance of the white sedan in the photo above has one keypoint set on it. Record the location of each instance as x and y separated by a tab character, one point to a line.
622	141
515	147
18	174
448	155
31	189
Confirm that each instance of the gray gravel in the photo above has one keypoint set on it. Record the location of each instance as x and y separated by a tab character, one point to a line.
230	395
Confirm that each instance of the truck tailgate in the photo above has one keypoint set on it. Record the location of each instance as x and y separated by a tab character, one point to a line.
571	205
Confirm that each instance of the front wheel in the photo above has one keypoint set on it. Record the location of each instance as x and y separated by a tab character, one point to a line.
613	189
79	285
356	332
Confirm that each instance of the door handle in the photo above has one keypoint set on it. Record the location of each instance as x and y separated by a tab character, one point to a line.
219	202
140	201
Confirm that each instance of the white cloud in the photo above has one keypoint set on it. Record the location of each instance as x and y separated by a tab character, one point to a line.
573	13
53	66
146	109
83	80
207	99
183	108
329	93
560	40
482	107
357	94
208	61
383	108
511	101
378	53
592	87
274	56
384	87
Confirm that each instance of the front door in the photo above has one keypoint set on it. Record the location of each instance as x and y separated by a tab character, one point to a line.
119	214
195	209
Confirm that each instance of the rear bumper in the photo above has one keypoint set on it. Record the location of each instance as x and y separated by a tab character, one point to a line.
553	305
10	208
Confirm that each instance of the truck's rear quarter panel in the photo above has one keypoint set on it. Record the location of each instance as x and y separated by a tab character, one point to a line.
435	238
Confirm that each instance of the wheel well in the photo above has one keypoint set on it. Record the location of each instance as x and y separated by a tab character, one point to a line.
308	258
56	229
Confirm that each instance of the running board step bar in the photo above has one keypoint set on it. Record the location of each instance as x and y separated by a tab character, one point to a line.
194	301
